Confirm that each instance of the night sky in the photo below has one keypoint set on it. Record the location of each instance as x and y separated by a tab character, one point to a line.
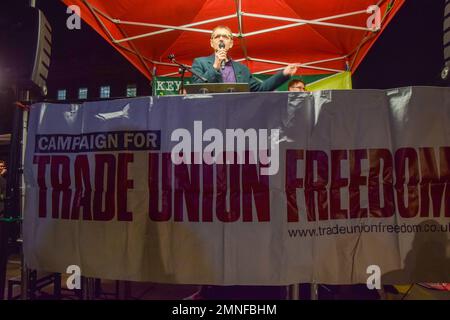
410	50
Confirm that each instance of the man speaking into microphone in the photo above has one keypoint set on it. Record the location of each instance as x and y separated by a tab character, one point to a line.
220	67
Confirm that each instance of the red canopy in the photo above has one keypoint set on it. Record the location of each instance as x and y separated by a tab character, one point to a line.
323	36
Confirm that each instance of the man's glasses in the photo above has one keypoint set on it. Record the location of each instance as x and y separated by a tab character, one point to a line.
218	36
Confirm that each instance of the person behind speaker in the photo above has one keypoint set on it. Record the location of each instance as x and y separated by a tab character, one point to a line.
219	67
296	85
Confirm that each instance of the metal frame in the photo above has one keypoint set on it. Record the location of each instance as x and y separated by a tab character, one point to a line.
241	35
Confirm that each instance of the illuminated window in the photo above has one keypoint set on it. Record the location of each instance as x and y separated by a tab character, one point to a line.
105	92
62	94
82	93
131	90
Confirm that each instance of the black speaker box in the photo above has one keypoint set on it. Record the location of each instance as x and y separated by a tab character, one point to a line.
446	70
447	32
25	50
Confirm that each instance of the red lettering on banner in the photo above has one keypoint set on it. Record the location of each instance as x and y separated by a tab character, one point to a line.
435	179
60	182
188	184
444	156
42	162
218	180
406	160
233	172
102	195
208	192
83	190
316	186
103	206
123	184
154	186
356	181
414	182
337	183
292	183
376	156
254	187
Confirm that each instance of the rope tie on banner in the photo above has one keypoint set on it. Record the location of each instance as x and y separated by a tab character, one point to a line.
22	106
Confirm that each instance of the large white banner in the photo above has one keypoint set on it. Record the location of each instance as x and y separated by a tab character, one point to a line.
263	189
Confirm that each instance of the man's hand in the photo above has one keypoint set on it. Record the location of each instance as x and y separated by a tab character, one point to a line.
290	70
221	55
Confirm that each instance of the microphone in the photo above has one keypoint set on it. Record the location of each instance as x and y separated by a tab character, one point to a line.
222	63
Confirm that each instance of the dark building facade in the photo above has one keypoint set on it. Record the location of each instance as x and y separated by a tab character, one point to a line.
81	59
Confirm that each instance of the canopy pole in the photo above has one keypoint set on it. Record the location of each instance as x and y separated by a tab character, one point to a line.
242	41
307	65
299	22
144	24
239	14
301	66
99	21
156	26
141	58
